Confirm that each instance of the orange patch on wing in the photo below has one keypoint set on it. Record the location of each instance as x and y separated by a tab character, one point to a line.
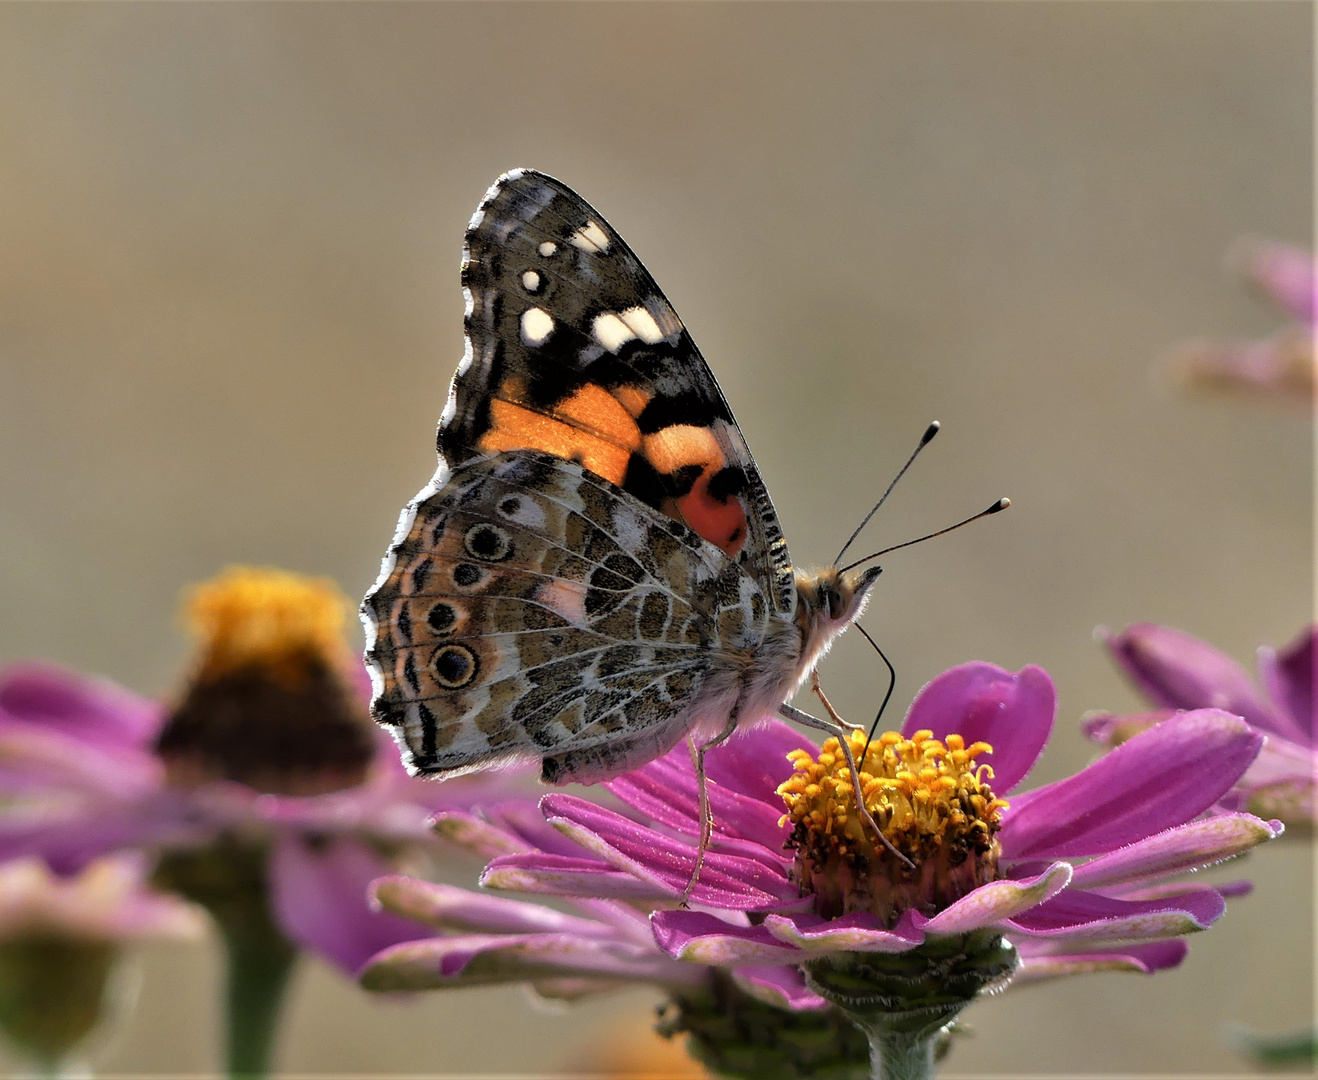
720	521
590	426
674	447
633	398
514	427
595	408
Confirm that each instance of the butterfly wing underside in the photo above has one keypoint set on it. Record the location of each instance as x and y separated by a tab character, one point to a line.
596	525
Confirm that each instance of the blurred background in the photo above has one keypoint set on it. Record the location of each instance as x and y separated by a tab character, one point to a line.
229	313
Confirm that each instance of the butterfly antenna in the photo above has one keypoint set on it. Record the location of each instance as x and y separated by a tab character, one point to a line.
996	508
925	439
892	685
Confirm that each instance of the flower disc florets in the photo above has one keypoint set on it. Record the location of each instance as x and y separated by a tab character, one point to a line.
269	705
932	802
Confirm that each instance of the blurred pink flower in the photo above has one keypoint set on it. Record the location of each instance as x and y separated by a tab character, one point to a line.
1280	366
60	943
1176	671
88	767
107	901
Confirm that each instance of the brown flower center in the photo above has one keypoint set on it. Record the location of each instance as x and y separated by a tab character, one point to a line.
269	705
933	804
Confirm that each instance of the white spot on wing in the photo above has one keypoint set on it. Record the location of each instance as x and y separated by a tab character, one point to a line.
642	325
530	280
547	248
526	512
628	528
611	332
664	316
537	325
590	237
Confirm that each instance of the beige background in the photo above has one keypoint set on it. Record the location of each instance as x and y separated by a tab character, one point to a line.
229	310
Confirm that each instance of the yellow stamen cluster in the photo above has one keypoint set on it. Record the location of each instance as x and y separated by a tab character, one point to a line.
933	804
272	619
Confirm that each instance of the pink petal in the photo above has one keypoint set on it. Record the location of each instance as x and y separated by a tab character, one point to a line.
1111	729
781	985
665	791
488	959
754	761
858	932
1145	958
982	702
1285	273
502	828
1290	799
1161	778
565	875
91	710
1288	677
704	938
473	833
34	758
68	839
319	896
1177	671
726	880
1077	915
1186	847
451	908
998	901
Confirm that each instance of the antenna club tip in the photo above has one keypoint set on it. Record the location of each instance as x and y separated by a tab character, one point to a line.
1001	504
930	431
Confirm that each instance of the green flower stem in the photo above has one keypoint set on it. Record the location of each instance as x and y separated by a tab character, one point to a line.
899	1056
259	963
229	880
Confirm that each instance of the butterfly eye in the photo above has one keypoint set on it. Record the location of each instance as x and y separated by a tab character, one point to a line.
454	666
832	602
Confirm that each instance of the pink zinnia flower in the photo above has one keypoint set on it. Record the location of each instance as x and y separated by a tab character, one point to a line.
1065	872
805	906
1176	671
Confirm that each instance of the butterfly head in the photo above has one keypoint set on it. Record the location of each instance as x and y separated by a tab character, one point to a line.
829	600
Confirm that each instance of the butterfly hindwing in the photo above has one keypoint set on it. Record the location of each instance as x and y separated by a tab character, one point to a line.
572	349
533	611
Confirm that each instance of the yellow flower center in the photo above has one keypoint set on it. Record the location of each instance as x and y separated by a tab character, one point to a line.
933	804
261	617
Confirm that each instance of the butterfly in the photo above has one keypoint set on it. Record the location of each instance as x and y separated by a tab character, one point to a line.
595	571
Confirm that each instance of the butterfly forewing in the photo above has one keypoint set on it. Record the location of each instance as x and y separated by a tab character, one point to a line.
574	350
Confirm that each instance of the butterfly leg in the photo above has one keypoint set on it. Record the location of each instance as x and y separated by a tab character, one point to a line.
828	706
839	730
702	788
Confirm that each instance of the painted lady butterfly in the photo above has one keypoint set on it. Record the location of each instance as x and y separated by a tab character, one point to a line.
595	570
